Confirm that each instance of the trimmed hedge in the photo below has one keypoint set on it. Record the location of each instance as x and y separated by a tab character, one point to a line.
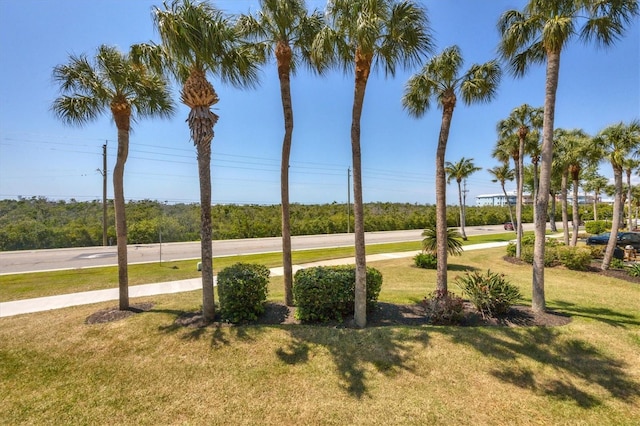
327	293
242	289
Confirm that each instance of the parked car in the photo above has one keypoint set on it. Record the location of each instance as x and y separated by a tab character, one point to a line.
509	226
624	239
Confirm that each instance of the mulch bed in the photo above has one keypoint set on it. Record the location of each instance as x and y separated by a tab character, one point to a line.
115	314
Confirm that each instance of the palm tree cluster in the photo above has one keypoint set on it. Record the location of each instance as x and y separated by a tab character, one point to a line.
199	44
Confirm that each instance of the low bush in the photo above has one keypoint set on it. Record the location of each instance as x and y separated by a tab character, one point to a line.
511	249
597	226
597	252
550	255
634	270
242	289
490	293
425	260
574	258
444	308
327	293
617	263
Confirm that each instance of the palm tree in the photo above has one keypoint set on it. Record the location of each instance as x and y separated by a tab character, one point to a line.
285	30
440	79
516	131
458	171
630	165
112	82
198	39
596	183
537	35
365	34
616	143
503	174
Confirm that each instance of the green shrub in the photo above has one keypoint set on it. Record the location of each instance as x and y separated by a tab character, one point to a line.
242	289
490	293
597	226
617	263
511	249
444	308
575	258
327	293
550	255
425	260
634	270
597	252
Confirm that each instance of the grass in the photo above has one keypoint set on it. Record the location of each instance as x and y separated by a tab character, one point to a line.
39	284
55	369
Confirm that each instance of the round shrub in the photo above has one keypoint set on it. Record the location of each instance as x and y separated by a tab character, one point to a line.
327	293
426	260
597	226
511	249
575	258
242	289
444	308
490	293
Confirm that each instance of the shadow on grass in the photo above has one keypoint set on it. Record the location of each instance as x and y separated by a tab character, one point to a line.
605	315
575	363
386	349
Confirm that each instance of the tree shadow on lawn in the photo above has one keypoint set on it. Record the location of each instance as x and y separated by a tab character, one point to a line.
387	349
605	315
573	361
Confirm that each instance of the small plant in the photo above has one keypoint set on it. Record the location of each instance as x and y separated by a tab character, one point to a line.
242	289
634	270
617	263
425	260
511	249
597	252
575	258
490	293
444	308
550	255
430	244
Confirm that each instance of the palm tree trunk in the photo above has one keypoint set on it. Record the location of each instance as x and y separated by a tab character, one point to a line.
122	123
615	224
520	190
552	212
575	213
565	207
441	195
283	56
629	214
535	184
542	200
462	233
506	197
363	66
201	121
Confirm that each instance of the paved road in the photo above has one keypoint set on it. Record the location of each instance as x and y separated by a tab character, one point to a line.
85	257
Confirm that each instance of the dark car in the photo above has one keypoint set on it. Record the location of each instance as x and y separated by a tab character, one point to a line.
624	239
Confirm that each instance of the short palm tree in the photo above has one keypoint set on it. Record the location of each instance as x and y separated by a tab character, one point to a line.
459	171
285	30
197	39
537	35
595	182
453	242
516	130
363	35
441	80
112	82
503	174
617	143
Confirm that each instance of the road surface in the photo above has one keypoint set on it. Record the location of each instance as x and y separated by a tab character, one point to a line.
85	257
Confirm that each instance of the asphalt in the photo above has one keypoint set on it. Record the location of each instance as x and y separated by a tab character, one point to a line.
40	304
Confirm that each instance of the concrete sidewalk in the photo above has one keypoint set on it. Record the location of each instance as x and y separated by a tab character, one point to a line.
39	304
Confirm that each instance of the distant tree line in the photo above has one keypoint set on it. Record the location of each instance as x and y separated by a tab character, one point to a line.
39	223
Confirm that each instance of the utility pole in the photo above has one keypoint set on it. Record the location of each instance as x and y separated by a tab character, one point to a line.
103	172
348	199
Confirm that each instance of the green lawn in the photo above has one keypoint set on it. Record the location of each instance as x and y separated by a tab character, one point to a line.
55	369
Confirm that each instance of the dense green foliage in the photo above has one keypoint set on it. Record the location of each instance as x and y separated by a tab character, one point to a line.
444	308
490	293
242	289
430	241
597	226
426	260
634	270
38	223
327	293
574	258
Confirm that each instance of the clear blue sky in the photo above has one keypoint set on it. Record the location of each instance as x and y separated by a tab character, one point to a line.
39	156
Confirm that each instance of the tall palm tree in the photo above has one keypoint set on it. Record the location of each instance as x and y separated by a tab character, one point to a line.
537	35
363	35
616	143
503	174
285	30
518	127
595	183
459	171
112	82
197	39
629	166
441	80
